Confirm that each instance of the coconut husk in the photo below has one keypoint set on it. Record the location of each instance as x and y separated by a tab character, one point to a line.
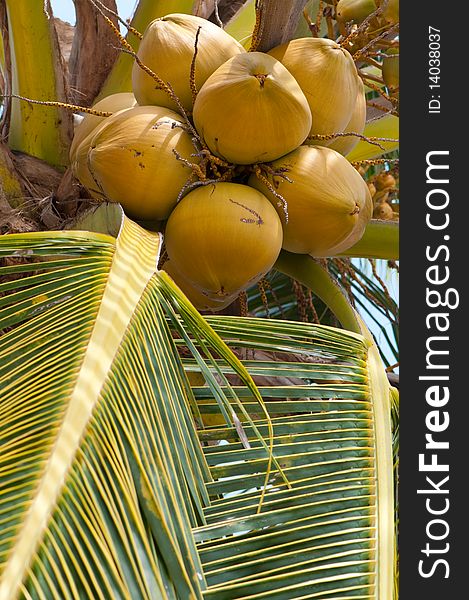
138	157
223	238
168	48
329	203
252	110
328	77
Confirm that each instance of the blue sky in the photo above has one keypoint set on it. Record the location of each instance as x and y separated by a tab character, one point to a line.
64	9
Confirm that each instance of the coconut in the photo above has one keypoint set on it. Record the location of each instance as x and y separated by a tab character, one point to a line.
84	134
357	123
328	77
252	110
383	211
329	204
223	238
132	160
354	10
200	300
79	159
384	180
168	47
112	103
372	188
80	168
390	69
380	196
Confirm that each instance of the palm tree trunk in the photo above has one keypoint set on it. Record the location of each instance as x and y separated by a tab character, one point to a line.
94	51
279	22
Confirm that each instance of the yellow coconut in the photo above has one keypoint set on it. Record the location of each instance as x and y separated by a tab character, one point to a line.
168	47
354	10
80	169
390	69
252	110
328	77
132	160
329	204
357	123
223	238
383	211
200	300
113	104
372	188
385	180
79	161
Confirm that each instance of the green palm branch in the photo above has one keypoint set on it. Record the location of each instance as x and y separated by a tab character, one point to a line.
148	452
116	482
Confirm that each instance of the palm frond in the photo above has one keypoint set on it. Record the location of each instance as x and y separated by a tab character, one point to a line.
325	536
114	483
88	475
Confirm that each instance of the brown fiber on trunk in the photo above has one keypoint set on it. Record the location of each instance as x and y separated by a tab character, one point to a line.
279	22
227	9
94	51
65	33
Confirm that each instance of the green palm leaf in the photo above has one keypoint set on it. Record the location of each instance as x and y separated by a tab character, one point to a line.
320	538
114	484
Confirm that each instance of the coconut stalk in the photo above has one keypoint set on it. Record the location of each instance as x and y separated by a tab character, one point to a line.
308	271
380	240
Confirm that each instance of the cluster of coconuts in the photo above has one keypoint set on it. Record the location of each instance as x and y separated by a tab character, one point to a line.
382	189
265	120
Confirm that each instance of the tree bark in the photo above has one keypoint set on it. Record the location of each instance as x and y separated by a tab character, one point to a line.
227	9
280	20
94	51
204	8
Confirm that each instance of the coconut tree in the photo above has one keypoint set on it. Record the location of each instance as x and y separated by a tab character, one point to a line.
153	450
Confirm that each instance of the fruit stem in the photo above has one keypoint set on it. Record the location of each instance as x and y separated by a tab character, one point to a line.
376	88
258	27
382	108
65	105
375	161
282	202
126	24
360	53
261	77
192	83
307	271
371	140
